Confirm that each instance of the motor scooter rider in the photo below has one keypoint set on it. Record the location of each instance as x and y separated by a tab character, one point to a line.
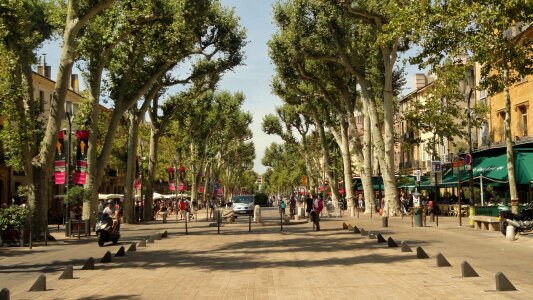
114	215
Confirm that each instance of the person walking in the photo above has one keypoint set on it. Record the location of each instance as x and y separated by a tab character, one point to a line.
183	208
318	205
282	206
292	206
308	206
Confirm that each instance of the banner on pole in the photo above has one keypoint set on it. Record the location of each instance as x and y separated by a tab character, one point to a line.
171	178
60	160
80	173
172	185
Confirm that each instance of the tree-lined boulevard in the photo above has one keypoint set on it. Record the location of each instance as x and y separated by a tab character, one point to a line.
154	123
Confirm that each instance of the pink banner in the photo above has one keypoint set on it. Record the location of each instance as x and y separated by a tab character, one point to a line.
60	164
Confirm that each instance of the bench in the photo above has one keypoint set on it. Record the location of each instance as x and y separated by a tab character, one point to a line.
486	223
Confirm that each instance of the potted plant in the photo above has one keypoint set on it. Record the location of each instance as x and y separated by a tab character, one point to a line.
13	217
75	197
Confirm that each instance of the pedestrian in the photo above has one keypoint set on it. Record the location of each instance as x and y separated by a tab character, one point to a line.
292	206
318	205
282	206
308	205
101	206
183	208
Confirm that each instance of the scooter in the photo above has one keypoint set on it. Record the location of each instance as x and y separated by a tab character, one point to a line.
522	222
105	231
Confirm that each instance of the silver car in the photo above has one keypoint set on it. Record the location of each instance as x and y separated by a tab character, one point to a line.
243	205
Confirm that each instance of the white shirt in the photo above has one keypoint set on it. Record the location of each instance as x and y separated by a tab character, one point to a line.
108	211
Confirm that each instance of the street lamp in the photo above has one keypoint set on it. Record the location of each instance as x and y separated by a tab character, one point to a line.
70	117
468	84
143	204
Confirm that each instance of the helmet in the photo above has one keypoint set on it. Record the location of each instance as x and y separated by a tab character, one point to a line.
109	202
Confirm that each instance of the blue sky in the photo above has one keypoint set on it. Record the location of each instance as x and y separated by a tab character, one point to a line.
253	78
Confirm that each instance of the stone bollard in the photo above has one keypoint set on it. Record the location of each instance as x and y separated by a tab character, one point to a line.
510	233
384	221
296	217
257	214
68	273
39	285
301	212
503	284
89	264
467	270
4	294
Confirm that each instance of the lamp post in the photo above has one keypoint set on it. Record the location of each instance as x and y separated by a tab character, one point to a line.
468	83
70	118
143	204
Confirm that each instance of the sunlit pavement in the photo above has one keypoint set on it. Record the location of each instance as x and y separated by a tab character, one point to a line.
268	263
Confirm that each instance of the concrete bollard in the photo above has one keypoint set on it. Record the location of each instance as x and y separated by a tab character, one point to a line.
4	294
380	238
142	243
350	227
372	235
151	239
39	285
344	226
467	270
132	248
121	252
384	221
165	234
356	230
405	247
68	273
391	243
106	258
364	233
503	284
89	264
257	214
510	233
421	254
442	261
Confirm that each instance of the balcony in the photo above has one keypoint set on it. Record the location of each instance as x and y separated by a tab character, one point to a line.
413	164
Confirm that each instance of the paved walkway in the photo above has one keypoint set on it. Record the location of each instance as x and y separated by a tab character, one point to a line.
268	264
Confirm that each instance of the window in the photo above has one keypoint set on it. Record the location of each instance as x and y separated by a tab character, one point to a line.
41	101
523	119
501	118
484	131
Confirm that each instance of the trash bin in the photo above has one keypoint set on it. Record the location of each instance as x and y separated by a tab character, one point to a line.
417	216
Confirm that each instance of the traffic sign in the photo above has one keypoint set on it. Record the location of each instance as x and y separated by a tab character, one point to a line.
436	166
458	163
468	159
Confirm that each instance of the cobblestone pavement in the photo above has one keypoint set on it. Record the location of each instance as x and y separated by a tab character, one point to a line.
269	264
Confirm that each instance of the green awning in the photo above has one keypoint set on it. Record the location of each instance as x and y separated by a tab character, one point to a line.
377	183
524	167
493	168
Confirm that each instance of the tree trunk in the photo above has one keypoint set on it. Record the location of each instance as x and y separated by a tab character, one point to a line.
366	176
389	178
152	164
509	145
325	155
129	195
92	183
